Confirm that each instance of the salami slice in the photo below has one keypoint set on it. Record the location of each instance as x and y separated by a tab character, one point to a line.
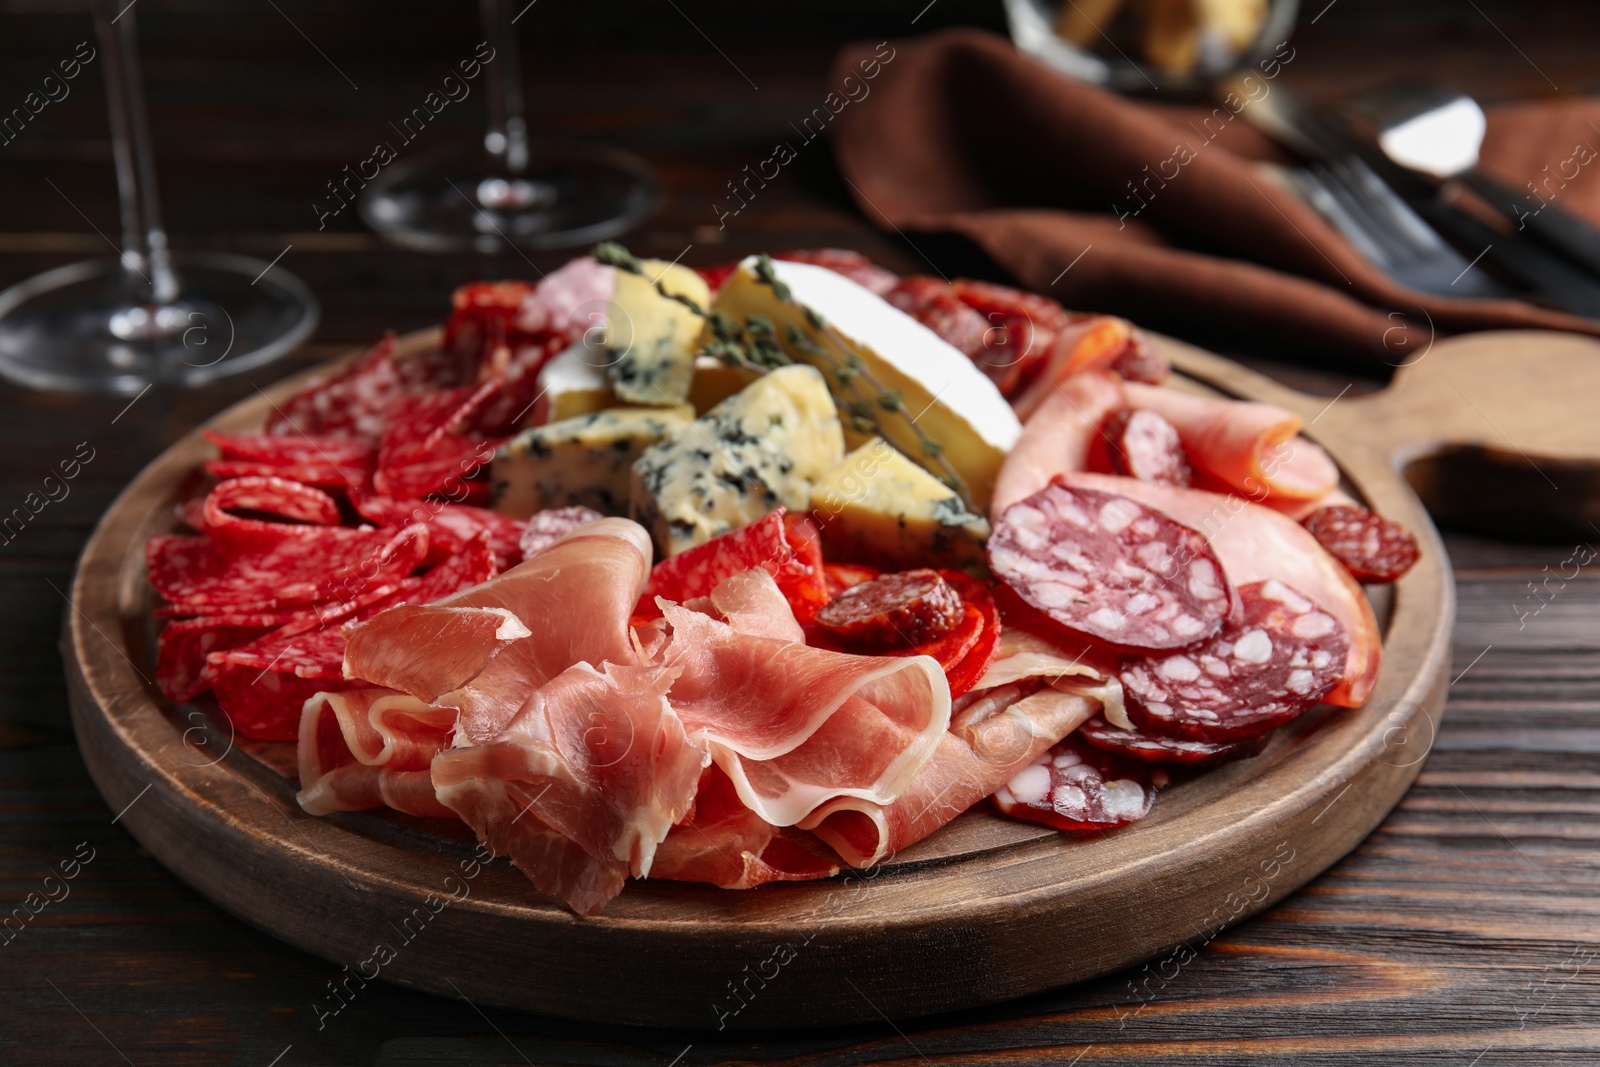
894	611
181	668
426	448
841	576
293	450
300	511
450	526
321	475
1075	786
547	527
932	302
1371	547
1156	748
1145	446
1109	567
265	705
1278	659
355	401
195	573
1138	361
964	674
473	565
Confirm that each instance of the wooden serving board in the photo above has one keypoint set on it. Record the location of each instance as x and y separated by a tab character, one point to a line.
985	910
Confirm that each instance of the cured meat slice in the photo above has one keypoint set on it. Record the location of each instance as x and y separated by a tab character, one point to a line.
196	574
1372	548
450	526
265	704
1144	445
294	449
182	670
1089	343
1275	661
1252	447
1058	437
752	603
795	726
841	576
354	401
853	265
370	748
997	734
428	446
725	843
320	475
460	640
568	300
1109	567
932	302
1075	786
785	546
1158	748
599	758
575	595
894	611
975	662
1257	544
547	527
1022	330
303	509
1138	361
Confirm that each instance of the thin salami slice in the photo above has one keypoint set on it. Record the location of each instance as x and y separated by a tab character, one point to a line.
292	450
1145	446
932	302
181	668
1371	547
841	576
964	674
427	447
1156	748
355	401
547	527
450	526
195	573
1075	786
1278	659
1109	567
321	475
300	511
895	611
265	705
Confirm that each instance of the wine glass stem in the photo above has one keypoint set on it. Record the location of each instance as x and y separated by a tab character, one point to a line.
507	136
145	258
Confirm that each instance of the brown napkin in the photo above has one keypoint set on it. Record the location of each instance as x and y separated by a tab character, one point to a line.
961	132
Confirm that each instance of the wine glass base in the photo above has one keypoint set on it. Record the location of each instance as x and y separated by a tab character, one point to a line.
79	329
569	195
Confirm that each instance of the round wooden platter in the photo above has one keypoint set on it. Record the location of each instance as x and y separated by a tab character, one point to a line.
985	910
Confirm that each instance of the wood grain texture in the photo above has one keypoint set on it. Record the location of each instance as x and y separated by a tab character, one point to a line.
1460	930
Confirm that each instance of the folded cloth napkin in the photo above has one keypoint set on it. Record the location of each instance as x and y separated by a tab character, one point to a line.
1161	213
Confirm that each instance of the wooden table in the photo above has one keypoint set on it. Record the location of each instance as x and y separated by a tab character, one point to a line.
1463	931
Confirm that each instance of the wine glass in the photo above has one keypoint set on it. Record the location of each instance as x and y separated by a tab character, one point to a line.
152	315
513	191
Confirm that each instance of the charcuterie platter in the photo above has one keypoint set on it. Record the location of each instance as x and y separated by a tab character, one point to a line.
278	786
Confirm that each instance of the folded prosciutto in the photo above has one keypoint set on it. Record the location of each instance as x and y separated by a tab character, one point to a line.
371	748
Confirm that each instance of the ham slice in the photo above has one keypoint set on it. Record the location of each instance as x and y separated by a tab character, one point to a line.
1258	544
370	748
1251	447
725	843
459	643
1057	436
996	736
598	758
574	597
794	726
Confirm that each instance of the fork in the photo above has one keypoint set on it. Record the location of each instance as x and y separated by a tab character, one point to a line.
1386	231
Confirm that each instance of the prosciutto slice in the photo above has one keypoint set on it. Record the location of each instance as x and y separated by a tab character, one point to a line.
459	642
995	736
794	726
1258	544
725	843
598	759
370	748
574	598
1057	436
1251	447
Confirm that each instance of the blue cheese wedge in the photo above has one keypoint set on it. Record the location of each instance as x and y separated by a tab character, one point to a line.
878	507
922	377
651	340
583	460
574	383
762	447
